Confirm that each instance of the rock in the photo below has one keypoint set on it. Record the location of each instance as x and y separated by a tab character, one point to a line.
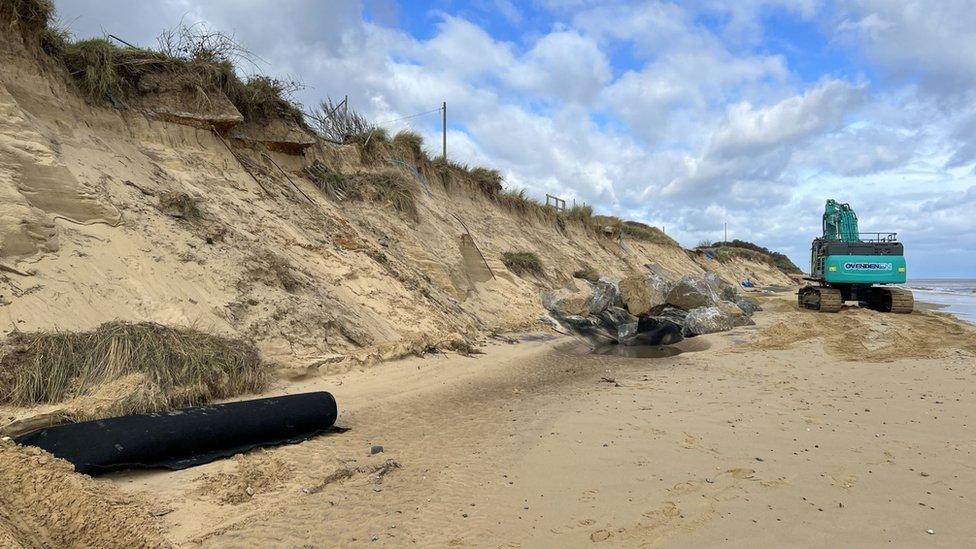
620	321
605	294
718	318
692	292
739	317
375	449
655	330
590	328
643	295
722	289
569	300
707	320
673	314
748	305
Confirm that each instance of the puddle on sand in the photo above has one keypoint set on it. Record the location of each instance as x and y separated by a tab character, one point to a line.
638	351
652	351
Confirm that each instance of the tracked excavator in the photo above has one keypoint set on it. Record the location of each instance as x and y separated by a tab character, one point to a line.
848	265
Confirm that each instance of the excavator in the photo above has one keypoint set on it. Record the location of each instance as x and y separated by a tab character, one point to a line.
848	265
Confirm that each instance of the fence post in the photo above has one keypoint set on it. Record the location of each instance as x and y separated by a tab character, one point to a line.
444	130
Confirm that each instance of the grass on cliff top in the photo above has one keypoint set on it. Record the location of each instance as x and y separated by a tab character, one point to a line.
634	229
726	251
30	17
184	367
337	123
523	263
188	57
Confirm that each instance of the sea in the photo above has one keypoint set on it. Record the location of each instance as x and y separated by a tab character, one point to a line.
956	295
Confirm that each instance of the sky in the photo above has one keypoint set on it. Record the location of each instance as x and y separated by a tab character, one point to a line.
684	115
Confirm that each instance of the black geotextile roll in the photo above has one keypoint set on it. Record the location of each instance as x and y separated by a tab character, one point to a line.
184	438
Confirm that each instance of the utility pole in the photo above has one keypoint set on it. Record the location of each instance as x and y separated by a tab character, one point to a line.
444	130
726	232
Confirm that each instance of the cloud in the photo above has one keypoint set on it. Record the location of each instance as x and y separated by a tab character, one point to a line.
916	39
750	150
563	64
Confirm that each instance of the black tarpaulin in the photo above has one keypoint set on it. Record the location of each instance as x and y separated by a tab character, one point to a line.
184	438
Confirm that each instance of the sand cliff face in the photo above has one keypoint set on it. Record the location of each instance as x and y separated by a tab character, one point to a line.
125	214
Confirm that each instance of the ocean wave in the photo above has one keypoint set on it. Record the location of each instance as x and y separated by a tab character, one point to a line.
968	292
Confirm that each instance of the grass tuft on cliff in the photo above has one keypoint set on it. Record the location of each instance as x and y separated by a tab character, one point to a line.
29	17
523	263
183	366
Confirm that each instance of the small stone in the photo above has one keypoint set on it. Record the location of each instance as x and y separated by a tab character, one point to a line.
924	474
759	459
375	449
710	481
930	531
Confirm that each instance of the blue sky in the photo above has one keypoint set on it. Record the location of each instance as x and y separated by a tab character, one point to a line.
685	115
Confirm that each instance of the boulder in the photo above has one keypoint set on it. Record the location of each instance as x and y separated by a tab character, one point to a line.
673	314
590	328
692	292
618	320
733	311
605	294
707	320
572	299
721	288
717	318
748	305
655	330
643	295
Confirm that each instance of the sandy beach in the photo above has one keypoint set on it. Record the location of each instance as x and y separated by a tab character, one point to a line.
781	433
177	232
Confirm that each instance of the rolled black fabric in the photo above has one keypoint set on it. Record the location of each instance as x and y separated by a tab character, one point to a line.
184	438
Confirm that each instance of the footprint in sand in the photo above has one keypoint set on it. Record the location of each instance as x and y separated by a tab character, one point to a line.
741	473
588	495
600	535
841	480
686	487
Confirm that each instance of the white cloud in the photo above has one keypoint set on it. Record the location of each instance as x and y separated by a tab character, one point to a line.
749	129
563	64
750	150
915	38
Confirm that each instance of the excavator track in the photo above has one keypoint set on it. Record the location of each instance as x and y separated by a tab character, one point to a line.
819	298
893	300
